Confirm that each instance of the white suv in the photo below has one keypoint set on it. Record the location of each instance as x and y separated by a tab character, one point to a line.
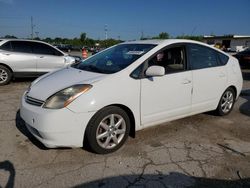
29	58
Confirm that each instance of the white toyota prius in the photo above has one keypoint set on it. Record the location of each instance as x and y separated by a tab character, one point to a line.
130	86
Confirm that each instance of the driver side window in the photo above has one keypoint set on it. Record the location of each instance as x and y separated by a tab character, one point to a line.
172	59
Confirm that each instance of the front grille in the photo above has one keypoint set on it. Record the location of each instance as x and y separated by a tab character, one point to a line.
32	101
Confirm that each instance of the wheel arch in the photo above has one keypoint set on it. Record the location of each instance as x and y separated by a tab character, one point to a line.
131	118
7	67
130	115
235	90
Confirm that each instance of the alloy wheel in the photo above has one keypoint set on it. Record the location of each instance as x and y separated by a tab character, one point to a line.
3	76
227	101
110	131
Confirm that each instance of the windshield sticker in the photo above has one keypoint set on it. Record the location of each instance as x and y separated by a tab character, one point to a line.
135	52
109	63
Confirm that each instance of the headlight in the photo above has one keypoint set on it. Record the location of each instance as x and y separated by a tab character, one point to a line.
64	97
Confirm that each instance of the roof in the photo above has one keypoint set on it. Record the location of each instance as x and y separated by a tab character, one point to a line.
161	41
2	41
10	39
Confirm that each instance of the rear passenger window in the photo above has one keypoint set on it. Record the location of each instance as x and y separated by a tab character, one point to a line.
223	59
21	46
40	48
6	46
201	57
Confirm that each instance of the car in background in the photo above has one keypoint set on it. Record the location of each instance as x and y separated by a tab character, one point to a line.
244	57
128	87
29	58
64	47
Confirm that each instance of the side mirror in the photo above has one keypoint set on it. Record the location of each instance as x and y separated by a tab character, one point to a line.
155	71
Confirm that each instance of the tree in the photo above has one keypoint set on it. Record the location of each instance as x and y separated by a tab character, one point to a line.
58	40
191	37
48	40
163	35
83	37
10	37
37	38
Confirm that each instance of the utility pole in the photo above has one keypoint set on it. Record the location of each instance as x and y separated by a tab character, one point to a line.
142	35
106	31
193	31
32	27
36	34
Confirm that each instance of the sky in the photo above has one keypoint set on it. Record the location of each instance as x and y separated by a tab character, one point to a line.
124	19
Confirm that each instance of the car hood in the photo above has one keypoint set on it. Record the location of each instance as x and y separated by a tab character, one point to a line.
49	84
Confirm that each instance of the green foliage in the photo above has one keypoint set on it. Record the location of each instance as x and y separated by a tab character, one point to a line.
83	37
10	37
48	40
37	38
191	37
162	35
109	42
83	40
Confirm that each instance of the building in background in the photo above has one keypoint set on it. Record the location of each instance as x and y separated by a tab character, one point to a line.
234	43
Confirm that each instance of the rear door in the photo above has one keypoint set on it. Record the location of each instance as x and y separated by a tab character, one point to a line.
48	58
209	77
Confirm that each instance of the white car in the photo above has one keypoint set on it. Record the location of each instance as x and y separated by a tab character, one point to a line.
29	58
128	87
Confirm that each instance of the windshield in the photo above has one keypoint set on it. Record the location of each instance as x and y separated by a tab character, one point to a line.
114	59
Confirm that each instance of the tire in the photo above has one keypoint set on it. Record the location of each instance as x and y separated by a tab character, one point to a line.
226	103
112	126
5	75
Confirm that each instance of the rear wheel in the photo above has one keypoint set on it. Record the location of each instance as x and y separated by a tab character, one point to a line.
108	130
226	103
5	75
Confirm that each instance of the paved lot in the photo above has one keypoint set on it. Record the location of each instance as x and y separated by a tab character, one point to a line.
199	151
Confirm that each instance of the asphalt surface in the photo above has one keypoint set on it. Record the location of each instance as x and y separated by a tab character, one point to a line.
199	151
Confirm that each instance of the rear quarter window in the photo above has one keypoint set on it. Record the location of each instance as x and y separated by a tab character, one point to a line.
223	59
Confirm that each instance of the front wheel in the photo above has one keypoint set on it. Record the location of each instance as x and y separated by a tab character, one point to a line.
5	75
108	130
226	103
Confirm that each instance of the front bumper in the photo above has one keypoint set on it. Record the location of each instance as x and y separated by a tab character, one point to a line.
55	128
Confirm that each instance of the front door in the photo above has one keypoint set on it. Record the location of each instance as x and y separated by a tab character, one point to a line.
169	96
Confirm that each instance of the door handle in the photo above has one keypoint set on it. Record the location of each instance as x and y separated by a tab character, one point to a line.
6	54
186	81
41	56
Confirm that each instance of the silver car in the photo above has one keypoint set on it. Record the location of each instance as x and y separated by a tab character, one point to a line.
29	58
